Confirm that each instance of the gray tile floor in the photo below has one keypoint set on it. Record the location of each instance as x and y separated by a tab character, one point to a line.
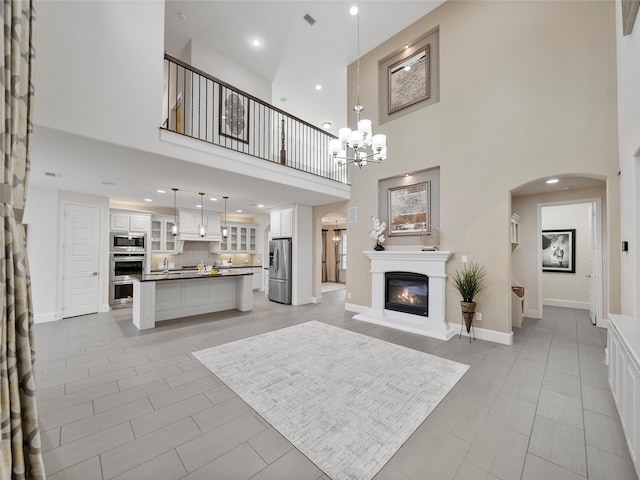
115	403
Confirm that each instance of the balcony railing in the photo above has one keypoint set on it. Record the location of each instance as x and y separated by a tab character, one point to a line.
200	106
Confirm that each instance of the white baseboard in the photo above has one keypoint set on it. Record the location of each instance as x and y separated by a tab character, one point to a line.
556	302
316	299
352	307
489	335
45	317
532	313
303	301
104	308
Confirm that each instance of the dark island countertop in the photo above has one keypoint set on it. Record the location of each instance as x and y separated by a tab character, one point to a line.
188	274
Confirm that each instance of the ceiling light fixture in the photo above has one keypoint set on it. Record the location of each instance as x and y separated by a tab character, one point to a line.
358	146
553	180
148	200
213	199
336	235
326	125
318	87
225	230
353	10
161	191
238	211
202	228
256	42
175	228
260	205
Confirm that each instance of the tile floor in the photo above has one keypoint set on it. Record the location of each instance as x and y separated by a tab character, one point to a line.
115	403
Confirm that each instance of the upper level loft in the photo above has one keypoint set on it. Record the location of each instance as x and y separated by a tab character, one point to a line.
199	106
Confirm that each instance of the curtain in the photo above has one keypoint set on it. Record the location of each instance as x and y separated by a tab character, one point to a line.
20	456
337	257
324	256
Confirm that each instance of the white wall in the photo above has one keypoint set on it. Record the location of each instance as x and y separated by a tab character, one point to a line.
628	69
562	289
228	71
98	69
43	217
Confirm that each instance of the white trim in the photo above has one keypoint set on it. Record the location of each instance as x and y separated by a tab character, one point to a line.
532	313
316	299
395	320
489	335
352	307
599	261
104	308
556	302
46	317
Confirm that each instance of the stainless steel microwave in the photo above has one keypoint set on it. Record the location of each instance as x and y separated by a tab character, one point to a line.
128	242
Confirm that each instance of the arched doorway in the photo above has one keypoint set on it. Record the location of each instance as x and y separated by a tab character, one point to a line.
573	207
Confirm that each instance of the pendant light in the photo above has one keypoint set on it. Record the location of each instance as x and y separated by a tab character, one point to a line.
336	234
361	145
175	229
225	230
202	228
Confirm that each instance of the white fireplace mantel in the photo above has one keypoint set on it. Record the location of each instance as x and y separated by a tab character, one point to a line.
431	264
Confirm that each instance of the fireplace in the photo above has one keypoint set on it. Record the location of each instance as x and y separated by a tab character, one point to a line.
407	292
430	267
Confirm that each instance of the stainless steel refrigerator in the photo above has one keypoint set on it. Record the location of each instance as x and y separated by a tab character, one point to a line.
280	270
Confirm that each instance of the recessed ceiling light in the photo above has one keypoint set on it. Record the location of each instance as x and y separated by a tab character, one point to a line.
238	211
553	180
353	10
198	206
182	16
318	87
213	199
260	205
283	99
52	174
148	200
406	46
326	125
407	68
161	191
107	183
256	42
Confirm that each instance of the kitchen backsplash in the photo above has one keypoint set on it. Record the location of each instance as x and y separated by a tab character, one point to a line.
198	252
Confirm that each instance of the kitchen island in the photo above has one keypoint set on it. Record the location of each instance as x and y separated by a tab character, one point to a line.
165	296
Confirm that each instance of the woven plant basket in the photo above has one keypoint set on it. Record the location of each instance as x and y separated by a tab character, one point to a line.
468	311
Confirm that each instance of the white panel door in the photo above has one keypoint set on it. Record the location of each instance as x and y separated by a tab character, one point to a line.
81	253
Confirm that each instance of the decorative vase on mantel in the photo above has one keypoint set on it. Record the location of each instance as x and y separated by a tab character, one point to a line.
468	311
378	248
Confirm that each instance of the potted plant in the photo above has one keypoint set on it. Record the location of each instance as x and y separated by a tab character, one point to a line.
469	280
377	233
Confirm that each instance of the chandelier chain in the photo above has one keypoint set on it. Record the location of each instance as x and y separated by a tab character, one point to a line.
358	58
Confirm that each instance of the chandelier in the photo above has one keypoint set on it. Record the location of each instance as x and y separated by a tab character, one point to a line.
336	235
358	146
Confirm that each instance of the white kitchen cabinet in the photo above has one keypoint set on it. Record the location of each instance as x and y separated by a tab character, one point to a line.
257	278
129	222
623	347
162	239
282	223
189	221
241	238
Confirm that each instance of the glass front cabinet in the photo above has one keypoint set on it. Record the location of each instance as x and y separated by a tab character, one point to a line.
241	238
162	239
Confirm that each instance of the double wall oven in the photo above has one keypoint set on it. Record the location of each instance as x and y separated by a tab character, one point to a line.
128	257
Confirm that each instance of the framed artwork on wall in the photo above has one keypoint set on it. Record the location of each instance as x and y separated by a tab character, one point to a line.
408	80
559	250
409	209
233	121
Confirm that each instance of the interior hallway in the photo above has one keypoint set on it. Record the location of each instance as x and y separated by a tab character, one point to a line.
118	403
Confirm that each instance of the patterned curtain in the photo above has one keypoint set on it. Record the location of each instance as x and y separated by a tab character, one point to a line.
324	256
20	456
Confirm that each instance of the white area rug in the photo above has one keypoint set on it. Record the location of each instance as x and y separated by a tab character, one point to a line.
345	400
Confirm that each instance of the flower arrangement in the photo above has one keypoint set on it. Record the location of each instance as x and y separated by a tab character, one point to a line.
377	232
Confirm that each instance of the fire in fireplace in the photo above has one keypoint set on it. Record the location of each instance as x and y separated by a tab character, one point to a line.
407	292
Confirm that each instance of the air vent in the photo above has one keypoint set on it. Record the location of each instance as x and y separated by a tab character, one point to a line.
310	20
52	174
